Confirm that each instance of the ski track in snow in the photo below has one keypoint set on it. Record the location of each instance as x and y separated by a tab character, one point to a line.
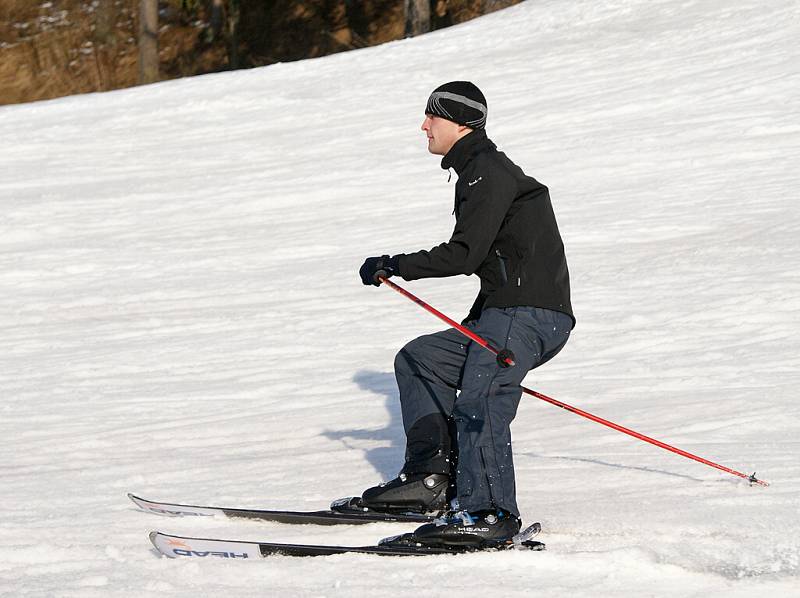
180	314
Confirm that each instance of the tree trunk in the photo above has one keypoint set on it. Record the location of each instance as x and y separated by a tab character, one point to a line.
217	17
105	22
234	15
418	17
148	41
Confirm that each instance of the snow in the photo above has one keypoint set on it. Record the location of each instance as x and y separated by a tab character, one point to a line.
180	313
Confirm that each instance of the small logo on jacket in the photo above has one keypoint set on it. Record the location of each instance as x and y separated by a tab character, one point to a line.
476	181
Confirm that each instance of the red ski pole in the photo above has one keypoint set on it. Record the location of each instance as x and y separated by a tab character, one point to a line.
505	358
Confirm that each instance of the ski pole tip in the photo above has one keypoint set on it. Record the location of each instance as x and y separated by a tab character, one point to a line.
754	480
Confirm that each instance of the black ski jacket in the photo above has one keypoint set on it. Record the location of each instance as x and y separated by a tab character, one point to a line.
505	232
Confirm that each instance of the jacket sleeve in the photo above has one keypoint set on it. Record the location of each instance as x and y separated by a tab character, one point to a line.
480	216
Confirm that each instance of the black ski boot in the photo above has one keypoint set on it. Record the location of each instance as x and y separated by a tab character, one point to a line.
413	492
480	530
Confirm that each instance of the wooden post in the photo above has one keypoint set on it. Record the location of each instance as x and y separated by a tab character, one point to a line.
148	41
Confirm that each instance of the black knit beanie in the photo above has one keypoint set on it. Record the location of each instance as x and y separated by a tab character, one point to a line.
459	101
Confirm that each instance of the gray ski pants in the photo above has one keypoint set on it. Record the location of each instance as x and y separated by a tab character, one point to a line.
475	422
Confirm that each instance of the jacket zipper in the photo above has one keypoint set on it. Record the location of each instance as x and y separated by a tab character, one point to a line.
502	261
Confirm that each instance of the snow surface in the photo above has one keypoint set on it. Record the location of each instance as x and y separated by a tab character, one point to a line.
180	314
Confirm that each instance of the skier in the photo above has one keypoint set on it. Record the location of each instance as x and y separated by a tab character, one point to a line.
459	443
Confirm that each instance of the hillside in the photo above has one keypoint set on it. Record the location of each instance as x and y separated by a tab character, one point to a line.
55	48
181	316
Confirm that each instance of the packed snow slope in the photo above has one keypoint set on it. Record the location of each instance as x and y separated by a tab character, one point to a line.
181	317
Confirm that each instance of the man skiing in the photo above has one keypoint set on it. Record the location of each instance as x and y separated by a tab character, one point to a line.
459	443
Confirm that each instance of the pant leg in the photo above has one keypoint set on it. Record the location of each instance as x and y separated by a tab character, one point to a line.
428	372
489	398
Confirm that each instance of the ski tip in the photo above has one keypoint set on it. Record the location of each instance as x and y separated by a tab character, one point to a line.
154	535
157	539
138	501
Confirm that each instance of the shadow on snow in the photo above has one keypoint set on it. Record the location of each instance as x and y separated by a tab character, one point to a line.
387	460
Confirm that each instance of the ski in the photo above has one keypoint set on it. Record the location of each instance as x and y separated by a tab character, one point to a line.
202	548
342	512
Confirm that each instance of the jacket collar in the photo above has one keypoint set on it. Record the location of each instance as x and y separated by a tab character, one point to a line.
465	149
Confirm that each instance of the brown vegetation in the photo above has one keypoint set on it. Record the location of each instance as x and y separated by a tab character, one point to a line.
61	47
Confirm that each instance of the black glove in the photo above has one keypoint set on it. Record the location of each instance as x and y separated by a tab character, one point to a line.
374	267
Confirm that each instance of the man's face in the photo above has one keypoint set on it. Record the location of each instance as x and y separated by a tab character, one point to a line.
442	133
